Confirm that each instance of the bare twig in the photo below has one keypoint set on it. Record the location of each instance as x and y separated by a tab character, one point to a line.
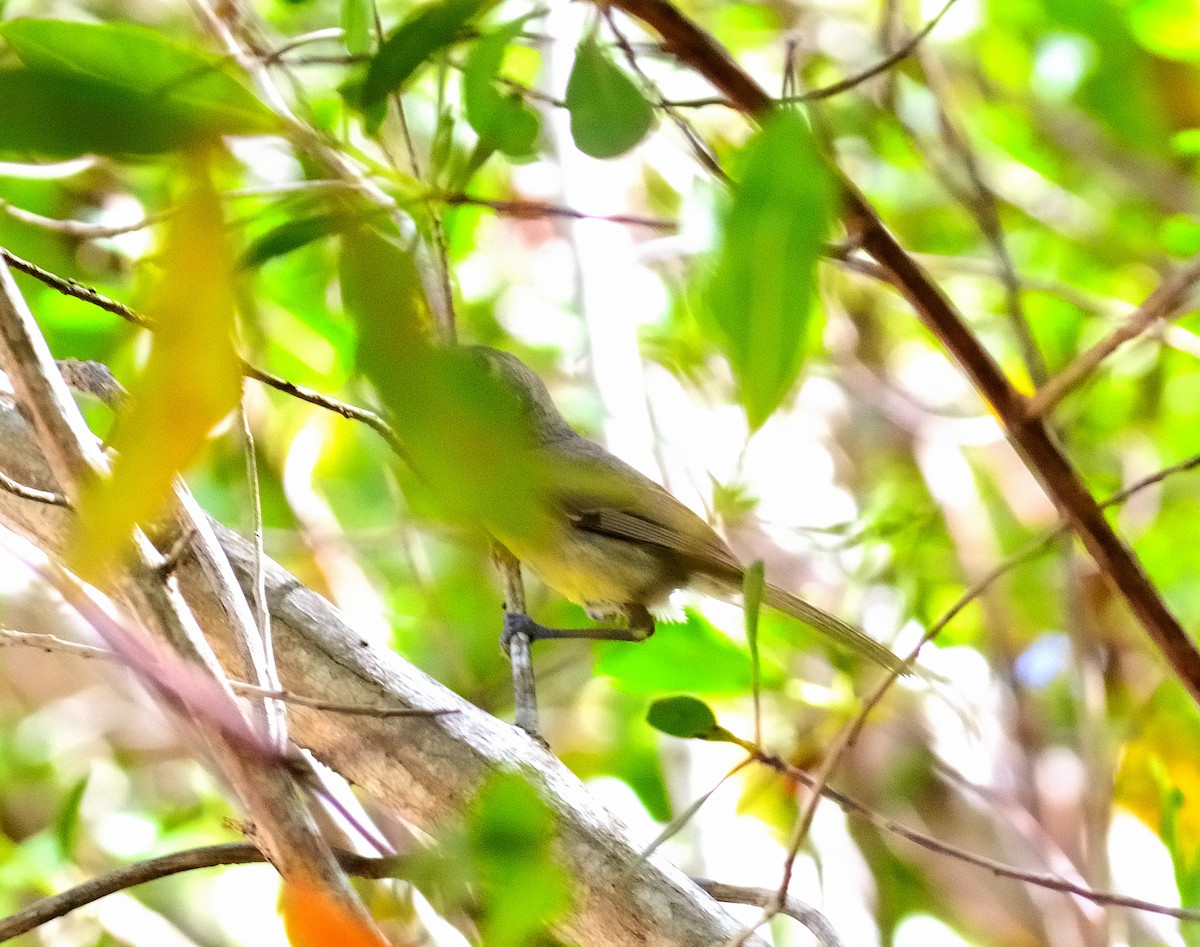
1172	298
534	210
30	493
69	287
262	615
1041	452
129	876
52	644
843	85
524	689
699	147
76	228
816	922
1053	882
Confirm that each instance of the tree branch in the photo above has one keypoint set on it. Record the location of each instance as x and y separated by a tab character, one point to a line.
74	454
696	49
1169	300
129	876
424	769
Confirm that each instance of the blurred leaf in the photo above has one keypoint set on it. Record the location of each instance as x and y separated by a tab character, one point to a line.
116	89
191	382
1157	762
761	296
691	656
291	235
609	114
66	825
504	120
511	830
358	16
688	718
412	43
752	593
1169	27
463	426
312	918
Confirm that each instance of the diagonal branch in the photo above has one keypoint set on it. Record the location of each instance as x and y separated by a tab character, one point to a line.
696	49
74	454
1170	299
424	769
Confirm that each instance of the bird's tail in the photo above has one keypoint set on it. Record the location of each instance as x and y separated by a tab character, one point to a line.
841	632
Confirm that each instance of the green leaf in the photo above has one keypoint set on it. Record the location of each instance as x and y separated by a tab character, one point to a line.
761	296
752	591
66	825
357	17
116	89
688	718
290	236
690	656
609	114
192	380
510	833
503	120
412	43
462	427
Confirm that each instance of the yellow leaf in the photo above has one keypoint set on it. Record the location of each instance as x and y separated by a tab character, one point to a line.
191	382
1159	759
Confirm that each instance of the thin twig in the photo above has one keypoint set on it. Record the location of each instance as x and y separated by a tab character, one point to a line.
1170	299
51	644
32	493
70	287
699	147
860	810
129	876
316	36
77	228
262	614
524	689
982	204
816	922
843	85
535	210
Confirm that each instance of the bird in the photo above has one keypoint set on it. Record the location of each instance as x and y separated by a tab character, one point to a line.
616	542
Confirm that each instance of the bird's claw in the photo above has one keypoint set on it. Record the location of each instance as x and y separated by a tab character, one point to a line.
517	624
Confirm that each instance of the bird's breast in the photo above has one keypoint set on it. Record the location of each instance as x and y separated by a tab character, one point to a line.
596	570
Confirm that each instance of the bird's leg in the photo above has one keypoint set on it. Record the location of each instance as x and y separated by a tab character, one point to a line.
640	627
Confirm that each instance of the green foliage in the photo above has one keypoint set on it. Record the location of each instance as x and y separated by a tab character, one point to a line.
408	47
499	864
688	718
761	296
503	122
357	21
869	476
691	655
609	114
116	89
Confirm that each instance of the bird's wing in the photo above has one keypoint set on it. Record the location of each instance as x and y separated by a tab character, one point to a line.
602	494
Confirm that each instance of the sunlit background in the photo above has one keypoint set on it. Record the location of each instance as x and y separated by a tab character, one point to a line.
1045	735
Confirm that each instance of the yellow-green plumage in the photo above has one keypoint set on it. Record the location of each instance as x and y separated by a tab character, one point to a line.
613	540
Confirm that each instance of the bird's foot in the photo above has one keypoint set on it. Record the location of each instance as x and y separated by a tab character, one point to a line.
519	624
